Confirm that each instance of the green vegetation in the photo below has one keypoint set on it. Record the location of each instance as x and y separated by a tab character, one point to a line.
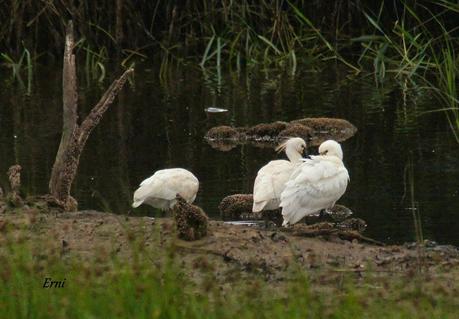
411	41
152	283
17	67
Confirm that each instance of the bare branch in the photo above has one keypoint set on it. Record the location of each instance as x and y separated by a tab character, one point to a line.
69	84
70	103
74	136
104	103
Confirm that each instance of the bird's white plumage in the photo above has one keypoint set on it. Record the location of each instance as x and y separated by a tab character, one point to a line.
161	189
314	185
271	178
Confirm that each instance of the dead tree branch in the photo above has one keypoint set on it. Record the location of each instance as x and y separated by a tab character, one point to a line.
74	136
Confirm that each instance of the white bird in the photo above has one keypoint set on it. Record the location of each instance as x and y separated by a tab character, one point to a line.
271	178
160	190
315	184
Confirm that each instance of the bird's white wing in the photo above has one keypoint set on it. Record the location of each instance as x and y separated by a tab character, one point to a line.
166	184
157	186
270	182
316	184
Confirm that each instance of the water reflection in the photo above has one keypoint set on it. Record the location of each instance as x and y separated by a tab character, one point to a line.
155	125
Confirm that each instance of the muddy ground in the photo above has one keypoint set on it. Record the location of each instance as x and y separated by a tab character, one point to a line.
227	251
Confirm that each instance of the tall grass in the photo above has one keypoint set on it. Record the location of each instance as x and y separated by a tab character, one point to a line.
24	63
419	50
154	284
413	39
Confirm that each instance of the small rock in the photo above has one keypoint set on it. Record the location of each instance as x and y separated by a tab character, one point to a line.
356	224
276	237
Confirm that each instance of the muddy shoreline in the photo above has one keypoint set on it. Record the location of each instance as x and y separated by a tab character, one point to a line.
96	236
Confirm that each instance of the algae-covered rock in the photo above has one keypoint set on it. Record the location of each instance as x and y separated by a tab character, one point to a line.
236	207
354	224
320	125
239	207
313	130
222	133
266	130
296	130
191	221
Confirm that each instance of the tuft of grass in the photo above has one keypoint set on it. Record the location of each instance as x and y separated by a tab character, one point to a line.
23	63
152	283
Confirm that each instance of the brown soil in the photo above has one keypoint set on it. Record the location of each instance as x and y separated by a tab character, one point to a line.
229	248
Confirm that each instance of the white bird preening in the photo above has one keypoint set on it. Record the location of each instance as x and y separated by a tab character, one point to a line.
271	178
315	184
160	190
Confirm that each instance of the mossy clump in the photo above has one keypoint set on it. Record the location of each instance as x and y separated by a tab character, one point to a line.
329	125
313	130
236	207
353	224
263	130
296	130
222	132
239	207
190	220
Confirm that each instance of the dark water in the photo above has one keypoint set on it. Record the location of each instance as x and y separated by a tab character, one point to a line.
156	124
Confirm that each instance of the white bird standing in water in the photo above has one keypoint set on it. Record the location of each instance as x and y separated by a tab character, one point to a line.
271	178
160	190
315	184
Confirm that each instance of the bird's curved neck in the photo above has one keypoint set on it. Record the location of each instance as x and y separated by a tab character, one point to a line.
293	155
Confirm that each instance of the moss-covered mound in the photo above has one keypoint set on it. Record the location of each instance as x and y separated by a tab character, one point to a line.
266	130
236	207
191	221
313	130
296	130
222	133
328	125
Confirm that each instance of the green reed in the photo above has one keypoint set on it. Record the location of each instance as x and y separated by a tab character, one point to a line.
24	63
409	39
421	49
151	282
